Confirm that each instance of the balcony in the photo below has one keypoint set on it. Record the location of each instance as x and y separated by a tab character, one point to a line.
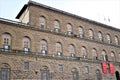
55	31
53	56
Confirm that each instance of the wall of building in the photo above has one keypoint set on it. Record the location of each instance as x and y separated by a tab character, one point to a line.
36	62
59	67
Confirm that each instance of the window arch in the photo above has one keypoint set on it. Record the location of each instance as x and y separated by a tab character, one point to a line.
84	52
116	40
26	43
91	34
43	46
108	38
4	71
100	36
94	54
69	27
57	24
59	48
104	56
98	75
75	74
6	40
72	50
113	56
42	21
80	29
44	73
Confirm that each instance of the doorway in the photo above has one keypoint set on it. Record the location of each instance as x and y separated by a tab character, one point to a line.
117	75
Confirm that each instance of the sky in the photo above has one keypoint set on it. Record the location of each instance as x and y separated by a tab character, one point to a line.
104	11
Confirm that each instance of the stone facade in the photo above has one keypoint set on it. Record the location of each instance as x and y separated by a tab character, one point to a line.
16	63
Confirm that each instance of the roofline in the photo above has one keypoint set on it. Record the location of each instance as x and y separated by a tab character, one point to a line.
21	11
63	12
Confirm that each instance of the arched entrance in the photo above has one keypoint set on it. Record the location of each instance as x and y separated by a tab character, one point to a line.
117	75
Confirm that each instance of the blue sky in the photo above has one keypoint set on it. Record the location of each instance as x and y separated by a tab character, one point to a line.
98	10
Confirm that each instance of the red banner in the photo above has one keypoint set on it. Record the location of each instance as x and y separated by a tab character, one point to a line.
104	67
111	66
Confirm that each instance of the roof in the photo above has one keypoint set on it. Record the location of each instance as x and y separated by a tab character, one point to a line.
63	12
21	11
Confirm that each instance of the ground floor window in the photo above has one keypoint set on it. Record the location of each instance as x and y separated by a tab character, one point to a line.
75	74
98	74
4	74
44	73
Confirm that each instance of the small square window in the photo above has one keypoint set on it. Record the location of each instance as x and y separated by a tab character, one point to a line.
60	67
86	70
26	65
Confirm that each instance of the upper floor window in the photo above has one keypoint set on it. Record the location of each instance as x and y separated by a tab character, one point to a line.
116	40
91	34
98	74
75	74
113	56
58	47
43	45
104	56
100	36
44	73
94	54
80	29
26	44
84	52
69	27
108	38
42	21
6	40
72	50
4	72
57	24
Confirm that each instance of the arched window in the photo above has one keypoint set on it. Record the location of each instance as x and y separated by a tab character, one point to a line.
43	46
75	74
26	44
98	75
91	34
104	56
72	50
42	21
116	40
44	73
57	24
113	56
4	72
100	36
108	38
94	54
80	29
59	48
84	52
6	40
69	29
